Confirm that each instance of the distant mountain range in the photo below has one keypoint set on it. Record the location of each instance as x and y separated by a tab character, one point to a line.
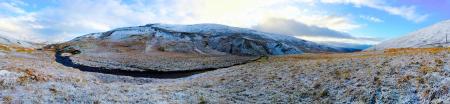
209	39
436	35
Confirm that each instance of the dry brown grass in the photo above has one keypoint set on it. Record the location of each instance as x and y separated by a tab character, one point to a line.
4	48
425	69
9	48
31	76
7	99
405	78
343	74
439	62
25	50
396	51
420	80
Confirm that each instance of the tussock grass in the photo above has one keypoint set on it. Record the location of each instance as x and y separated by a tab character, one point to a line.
396	51
4	48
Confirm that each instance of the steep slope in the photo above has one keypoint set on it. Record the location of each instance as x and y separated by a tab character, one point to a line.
15	42
433	36
209	39
14	45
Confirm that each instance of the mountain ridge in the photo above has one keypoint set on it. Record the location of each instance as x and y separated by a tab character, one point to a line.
5	40
239	41
436	35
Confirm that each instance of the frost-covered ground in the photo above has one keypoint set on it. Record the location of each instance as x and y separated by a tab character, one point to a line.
392	76
158	61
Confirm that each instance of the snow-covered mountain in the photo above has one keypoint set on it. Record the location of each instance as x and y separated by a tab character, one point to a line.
436	35
200	38
4	40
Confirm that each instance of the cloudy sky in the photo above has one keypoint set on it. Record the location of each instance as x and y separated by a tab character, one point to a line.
353	21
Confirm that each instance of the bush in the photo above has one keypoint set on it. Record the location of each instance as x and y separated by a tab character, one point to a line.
4	48
426	69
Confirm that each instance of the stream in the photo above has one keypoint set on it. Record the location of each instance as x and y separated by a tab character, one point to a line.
66	61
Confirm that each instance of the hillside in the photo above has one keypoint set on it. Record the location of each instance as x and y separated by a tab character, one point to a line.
14	45
15	42
436	35
392	76
164	47
209	39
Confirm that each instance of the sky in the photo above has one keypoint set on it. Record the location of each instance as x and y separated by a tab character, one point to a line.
347	21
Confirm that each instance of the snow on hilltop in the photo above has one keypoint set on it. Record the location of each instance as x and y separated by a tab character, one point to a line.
209	38
432	36
15	42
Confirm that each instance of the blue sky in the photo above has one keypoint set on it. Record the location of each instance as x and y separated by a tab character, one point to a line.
353	21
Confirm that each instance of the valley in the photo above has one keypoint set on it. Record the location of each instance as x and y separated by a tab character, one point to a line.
211	63
224	52
390	76
66	61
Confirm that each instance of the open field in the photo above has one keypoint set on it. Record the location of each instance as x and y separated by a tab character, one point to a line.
158	61
390	76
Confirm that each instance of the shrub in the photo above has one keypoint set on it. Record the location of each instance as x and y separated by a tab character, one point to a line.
420	80
7	99
202	100
324	93
161	49
4	48
343	74
426	69
404	79
32	76
439	62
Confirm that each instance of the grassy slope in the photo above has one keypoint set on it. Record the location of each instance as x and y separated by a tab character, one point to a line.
392	76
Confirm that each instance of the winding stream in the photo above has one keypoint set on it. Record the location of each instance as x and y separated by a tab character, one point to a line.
66	61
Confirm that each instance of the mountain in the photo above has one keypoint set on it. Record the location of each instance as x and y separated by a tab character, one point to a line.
436	35
346	45
164	47
4	40
8	45
211	39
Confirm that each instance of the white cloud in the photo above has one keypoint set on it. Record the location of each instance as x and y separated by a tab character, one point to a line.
293	27
19	27
311	33
11	7
78	17
340	40
372	19
71	19
407	12
246	13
